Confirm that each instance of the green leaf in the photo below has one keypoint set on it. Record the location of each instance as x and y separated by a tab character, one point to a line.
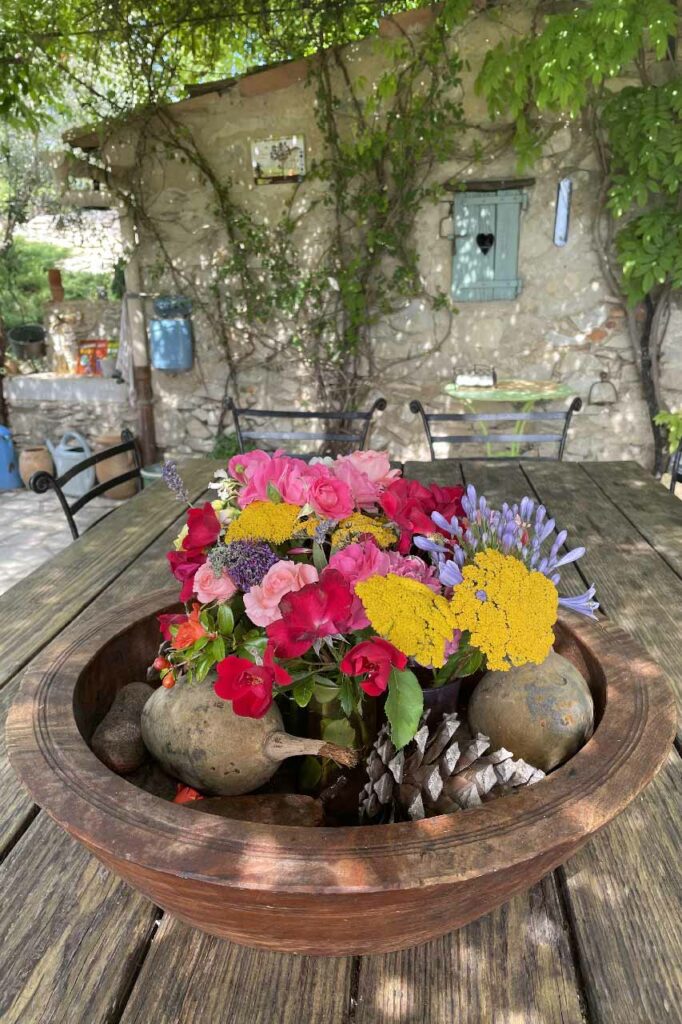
324	692
225	620
319	557
302	691
339	731
273	494
347	696
404	706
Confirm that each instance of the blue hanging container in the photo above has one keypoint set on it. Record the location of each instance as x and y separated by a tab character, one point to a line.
9	464
170	334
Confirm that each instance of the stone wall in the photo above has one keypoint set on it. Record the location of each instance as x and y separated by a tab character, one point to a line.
564	325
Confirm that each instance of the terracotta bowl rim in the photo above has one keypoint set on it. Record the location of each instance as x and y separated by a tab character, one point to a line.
110	814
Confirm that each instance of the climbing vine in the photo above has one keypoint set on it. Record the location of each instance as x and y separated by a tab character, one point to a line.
275	292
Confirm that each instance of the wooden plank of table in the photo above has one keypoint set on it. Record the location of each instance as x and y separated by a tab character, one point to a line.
192	978
624	896
41	605
71	935
638	589
514	964
622	888
16	807
650	507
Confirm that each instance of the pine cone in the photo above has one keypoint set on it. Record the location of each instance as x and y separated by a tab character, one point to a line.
440	771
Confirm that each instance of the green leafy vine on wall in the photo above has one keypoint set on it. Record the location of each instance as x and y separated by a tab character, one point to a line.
265	298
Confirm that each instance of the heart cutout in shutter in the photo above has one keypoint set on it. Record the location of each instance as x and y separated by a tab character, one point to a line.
485	242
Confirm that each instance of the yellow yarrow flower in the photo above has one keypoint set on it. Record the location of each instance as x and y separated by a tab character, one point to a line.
409	615
265	520
359	524
511	620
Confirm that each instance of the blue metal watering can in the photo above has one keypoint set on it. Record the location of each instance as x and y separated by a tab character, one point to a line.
9	471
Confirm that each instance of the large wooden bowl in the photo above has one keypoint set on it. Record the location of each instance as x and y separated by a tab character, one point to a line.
328	891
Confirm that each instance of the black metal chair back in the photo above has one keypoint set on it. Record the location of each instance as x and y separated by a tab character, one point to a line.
675	476
42	481
354	438
486	419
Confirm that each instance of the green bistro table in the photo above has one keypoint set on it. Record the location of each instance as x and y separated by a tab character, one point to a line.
522	394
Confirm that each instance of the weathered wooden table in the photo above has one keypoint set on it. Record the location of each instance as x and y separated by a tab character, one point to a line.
599	940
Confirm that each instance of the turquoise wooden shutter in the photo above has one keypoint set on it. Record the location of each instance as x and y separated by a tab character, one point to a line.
486	249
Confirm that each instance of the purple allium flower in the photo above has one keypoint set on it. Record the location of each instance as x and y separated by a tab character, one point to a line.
173	481
246	561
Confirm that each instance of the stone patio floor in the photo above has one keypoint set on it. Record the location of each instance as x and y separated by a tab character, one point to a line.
33	528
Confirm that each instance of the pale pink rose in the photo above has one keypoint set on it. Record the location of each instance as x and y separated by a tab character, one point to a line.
262	602
209	587
364	491
330	498
375	465
414	569
291	478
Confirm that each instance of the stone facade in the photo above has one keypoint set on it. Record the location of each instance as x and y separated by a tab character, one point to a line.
564	325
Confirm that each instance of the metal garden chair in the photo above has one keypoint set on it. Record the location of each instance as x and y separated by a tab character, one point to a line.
675	475
560	421
42	481
356	439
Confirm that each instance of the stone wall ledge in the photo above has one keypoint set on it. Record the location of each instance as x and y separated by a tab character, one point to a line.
49	387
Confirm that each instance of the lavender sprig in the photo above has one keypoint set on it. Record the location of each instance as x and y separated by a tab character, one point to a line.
174	482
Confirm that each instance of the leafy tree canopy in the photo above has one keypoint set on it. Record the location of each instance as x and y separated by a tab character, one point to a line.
115	55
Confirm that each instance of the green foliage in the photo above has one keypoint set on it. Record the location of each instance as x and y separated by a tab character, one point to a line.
672	421
23	280
562	70
404	705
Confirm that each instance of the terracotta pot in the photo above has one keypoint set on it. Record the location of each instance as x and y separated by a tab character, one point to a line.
115	466
31	460
327	891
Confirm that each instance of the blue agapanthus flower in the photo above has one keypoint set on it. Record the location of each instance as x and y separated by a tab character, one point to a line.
521	530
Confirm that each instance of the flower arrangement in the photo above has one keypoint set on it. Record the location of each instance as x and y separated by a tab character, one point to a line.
341	576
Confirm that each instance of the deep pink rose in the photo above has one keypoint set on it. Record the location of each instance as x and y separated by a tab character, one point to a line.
184	565
358	562
289	476
203	528
209	587
262	602
330	498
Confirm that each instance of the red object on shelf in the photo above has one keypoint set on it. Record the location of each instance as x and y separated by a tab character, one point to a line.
90	352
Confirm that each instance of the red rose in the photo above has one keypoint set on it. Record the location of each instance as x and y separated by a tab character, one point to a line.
409	505
166	621
203	528
184	565
373	659
247	685
447	501
316	610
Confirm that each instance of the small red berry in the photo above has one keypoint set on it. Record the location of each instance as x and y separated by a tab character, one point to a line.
168	680
160	663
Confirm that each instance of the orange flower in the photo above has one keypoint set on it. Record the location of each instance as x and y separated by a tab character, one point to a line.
189	631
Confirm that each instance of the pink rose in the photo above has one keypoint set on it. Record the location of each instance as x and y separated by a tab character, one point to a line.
355	563
209	587
289	476
364	491
243	466
414	569
262	602
330	498
375	465
360	561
